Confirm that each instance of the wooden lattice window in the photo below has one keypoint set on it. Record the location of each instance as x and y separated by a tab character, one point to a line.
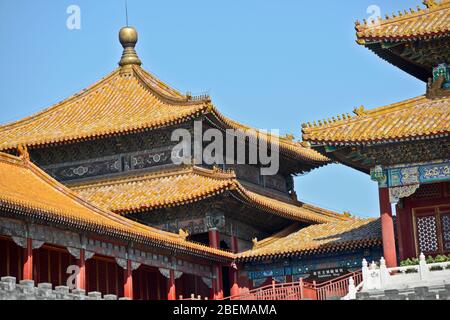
428	191
445	226
427	234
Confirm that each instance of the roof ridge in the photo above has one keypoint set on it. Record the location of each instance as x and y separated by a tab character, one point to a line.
215	173
292	146
362	112
313	241
281	234
250	195
327	212
183	99
405	15
61	103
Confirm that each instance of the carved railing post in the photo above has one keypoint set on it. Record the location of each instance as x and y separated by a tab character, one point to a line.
423	268
365	274
384	273
351	289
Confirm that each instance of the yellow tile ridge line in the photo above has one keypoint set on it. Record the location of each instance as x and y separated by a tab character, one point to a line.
321	248
283	233
375	112
183	101
295	147
176	171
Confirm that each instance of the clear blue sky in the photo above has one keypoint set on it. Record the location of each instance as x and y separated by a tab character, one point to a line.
270	64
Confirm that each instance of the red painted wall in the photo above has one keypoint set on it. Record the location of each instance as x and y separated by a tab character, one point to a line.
11	257
430	195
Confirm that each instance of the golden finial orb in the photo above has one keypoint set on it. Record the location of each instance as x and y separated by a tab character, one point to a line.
128	37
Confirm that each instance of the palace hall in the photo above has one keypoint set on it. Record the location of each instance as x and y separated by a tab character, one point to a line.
92	182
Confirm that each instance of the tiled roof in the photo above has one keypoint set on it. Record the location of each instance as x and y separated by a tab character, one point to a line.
187	185
433	21
411	119
26	190
321	238
128	100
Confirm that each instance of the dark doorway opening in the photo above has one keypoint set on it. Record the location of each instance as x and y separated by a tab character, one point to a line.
226	281
202	238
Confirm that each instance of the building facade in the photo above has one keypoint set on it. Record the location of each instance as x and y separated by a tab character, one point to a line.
404	146
95	182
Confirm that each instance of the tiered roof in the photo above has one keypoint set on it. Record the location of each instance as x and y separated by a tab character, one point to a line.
384	35
126	101
26	191
317	239
187	185
416	118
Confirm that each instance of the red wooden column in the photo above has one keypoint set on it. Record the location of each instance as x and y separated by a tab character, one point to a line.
234	281
387	229
214	242
81	277
128	281
171	289
28	260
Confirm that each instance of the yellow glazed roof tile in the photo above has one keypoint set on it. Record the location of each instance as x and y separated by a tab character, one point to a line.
187	185
25	187
430	22
128	100
321	238
414	118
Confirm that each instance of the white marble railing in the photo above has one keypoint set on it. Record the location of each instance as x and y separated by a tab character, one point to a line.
380	277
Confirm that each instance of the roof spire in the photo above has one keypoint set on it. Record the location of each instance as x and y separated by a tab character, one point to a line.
128	37
126	11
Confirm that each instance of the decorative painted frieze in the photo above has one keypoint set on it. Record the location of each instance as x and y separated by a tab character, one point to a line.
208	282
104	166
214	219
21	242
74	171
166	273
75	252
439	86
411	174
36	244
397	193
39	233
19	232
123	263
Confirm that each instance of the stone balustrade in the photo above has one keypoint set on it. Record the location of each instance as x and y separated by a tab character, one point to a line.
418	282
382	278
26	290
441	292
